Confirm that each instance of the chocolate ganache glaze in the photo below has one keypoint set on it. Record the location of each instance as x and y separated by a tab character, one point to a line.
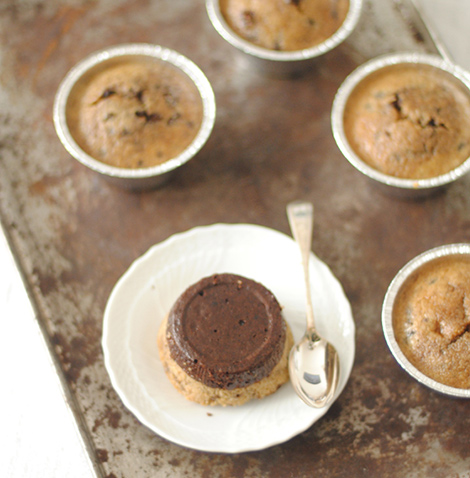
226	331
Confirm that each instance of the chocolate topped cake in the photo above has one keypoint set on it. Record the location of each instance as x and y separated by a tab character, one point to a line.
225	341
236	349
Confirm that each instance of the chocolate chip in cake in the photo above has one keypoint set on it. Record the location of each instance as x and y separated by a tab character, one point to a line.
248	19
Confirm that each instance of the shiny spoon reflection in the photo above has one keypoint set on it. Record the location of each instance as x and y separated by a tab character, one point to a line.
313	362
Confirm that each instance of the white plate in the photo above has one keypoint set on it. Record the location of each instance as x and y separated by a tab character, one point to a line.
146	292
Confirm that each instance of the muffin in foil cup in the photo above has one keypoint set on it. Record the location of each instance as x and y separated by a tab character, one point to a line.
399	328
274	58
361	79
137	99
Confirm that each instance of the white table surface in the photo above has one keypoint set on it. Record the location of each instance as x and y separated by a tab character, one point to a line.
38	435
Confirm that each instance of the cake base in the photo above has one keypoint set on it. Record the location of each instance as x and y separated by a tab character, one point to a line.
204	395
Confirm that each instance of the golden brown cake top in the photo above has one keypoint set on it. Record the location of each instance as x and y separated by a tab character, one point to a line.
285	25
136	114
226	331
431	320
410	121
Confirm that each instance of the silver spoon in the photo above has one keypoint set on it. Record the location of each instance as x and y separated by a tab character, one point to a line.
313	362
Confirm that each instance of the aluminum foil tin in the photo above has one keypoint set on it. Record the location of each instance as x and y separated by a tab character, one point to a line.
387	315
392	184
281	62
142	178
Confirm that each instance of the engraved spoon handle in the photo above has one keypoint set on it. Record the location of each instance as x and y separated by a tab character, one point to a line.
300	215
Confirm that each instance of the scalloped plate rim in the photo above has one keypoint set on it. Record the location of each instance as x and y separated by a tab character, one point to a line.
120	382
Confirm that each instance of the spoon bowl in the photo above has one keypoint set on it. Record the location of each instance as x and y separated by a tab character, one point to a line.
314	384
313	361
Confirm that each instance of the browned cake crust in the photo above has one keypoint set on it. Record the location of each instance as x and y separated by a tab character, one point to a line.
284	25
136	114
431	320
410	122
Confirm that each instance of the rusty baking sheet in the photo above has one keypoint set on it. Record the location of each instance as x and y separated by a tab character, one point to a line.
74	234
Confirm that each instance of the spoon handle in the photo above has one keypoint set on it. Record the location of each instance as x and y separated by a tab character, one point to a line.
300	215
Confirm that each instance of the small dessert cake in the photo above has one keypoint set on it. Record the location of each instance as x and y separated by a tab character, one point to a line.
409	121
431	320
136	114
284	25
225	341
